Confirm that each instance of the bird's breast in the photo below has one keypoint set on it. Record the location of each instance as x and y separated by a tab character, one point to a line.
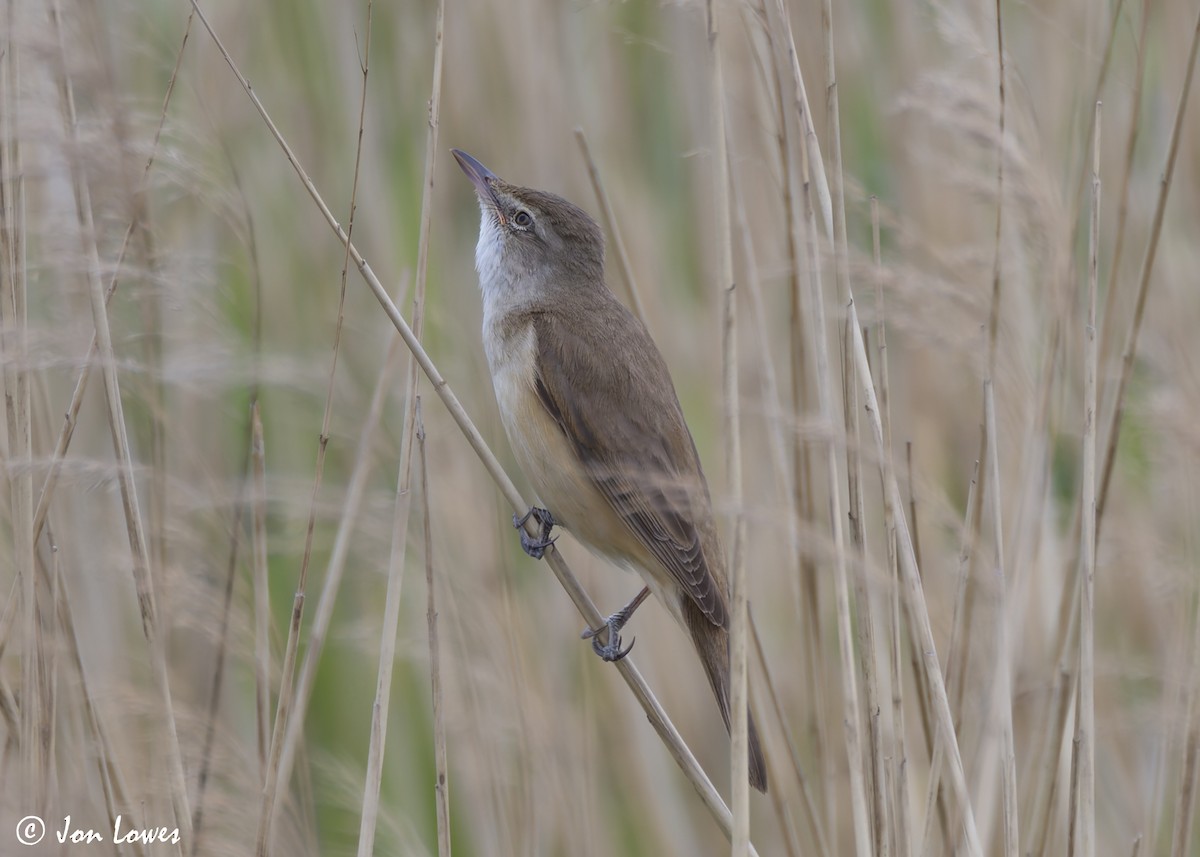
540	446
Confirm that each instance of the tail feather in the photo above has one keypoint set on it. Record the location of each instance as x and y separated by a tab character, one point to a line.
712	645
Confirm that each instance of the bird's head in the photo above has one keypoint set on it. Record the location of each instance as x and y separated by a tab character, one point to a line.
531	243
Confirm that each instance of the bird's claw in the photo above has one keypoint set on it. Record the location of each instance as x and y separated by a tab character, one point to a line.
610	651
535	547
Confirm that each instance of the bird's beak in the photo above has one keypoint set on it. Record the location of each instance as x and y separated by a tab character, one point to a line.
479	175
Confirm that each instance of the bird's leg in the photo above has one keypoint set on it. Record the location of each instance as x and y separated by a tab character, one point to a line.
612	651
536	547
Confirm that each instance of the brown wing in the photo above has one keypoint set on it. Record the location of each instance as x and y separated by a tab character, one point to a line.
623	420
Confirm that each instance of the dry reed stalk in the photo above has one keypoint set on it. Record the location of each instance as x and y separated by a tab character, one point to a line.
150	383
791	839
923	693
1073	803
72	410
391	613
218	678
633	678
958	651
919	616
1040	433
868	653
774	24
918	611
1069	608
901	803
441	787
912	502
610	224
1001	692
113	782
1188	703
1003	678
8	615
1181	835
235	537
287	689
387	641
955	678
1086	708
135	530
1135	324
262	589
283	709
851	715
323	614
769	391
772	400
1052	754
778	446
993	327
739	741
14	319
1131	137
1069	597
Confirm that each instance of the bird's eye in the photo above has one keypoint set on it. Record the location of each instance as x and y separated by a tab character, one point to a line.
523	219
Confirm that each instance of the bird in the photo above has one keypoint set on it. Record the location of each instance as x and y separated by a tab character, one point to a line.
593	419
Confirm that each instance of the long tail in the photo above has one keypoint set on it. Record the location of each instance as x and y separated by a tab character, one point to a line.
712	645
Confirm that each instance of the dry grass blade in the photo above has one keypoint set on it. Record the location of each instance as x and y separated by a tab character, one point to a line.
727	289
994	316
1109	316
957	650
901	802
387	640
287	684
366	836
610	223
917	609
262	590
262	692
1002	684
851	722
1135	324
775	25
143	578
318	631
442	786
777	799
1086	734
17	399
865	844
72	411
110	767
868	648
1051	754
1185	805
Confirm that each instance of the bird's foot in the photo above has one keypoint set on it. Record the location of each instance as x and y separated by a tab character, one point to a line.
611	651
536	548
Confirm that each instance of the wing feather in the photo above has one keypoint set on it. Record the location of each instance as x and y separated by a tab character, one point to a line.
642	458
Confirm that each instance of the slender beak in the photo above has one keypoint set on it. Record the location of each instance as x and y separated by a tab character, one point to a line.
479	175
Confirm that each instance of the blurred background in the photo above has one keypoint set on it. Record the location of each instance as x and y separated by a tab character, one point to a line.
229	291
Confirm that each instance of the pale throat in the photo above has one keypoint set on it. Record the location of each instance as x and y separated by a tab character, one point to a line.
503	288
